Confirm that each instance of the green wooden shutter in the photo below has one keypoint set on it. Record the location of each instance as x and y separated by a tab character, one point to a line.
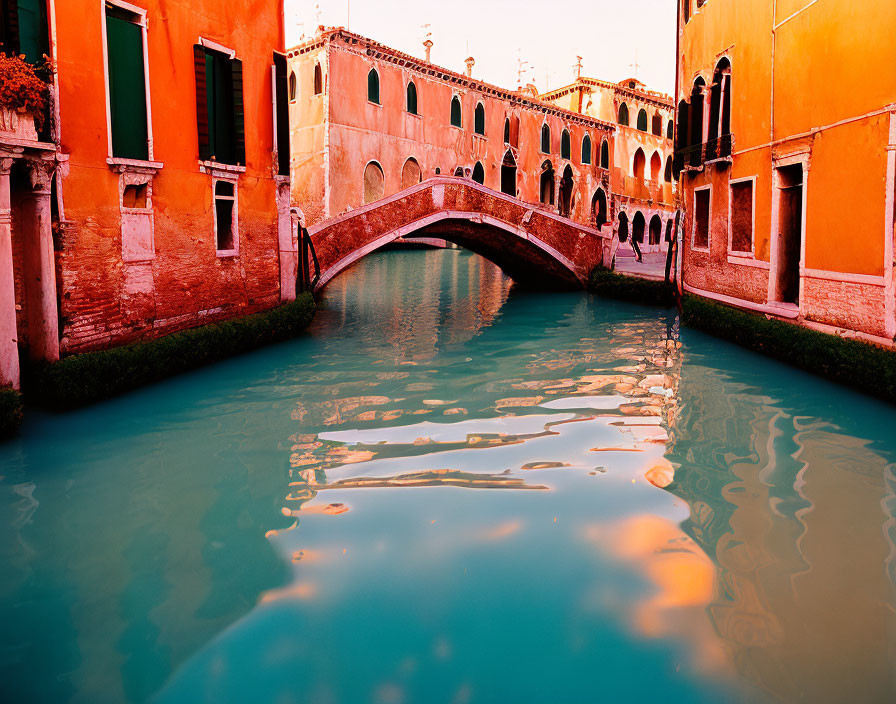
33	36
202	117
239	121
127	89
282	135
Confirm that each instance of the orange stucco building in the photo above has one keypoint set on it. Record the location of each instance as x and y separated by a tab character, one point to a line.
155	200
367	121
786	151
643	192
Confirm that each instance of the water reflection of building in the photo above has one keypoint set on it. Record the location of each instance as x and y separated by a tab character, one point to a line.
793	510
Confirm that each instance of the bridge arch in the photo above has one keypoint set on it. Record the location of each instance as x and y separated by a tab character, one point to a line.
532	245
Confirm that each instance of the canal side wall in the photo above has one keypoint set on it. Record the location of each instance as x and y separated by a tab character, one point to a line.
868	367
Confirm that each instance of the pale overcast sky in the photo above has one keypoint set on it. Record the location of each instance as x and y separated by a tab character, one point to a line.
609	35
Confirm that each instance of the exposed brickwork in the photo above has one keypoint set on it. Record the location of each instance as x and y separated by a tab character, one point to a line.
852	306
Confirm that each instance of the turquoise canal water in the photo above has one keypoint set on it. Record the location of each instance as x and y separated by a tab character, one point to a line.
454	491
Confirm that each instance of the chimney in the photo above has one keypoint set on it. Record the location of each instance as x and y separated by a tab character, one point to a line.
427	45
470	62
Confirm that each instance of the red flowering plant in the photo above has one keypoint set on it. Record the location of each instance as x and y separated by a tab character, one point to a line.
24	88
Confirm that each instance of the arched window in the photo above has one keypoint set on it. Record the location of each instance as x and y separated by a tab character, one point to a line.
657	127
479	173
565	147
686	9
639	164
670	130
566	188
410	173
546	184
695	119
479	119
292	86
656	166
599	207
604	155
508	174
514	131
546	139
374	182
318	80
719	140
373	86
623	114
456	119
642	120
668	174
412	98
586	149
506	130
459	172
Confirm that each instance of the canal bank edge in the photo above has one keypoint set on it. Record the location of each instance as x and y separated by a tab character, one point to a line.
611	284
93	376
856	363
11	412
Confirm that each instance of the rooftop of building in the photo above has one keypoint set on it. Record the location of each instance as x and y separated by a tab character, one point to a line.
381	51
630	87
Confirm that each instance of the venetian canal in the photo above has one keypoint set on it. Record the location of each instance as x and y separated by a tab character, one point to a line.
453	491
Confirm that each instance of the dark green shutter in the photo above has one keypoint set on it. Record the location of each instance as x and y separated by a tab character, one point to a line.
33	36
239	121
282	135
127	89
202	116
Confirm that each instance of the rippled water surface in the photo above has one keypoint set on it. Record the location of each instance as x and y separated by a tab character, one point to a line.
455	491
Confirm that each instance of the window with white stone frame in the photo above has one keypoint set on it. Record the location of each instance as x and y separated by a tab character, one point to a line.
702	218
741	216
226	217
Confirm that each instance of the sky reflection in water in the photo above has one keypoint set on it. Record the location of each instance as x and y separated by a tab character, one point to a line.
454	492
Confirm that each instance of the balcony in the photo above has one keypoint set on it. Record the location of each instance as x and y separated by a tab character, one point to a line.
694	158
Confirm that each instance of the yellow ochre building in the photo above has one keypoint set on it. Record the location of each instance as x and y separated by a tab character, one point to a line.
786	159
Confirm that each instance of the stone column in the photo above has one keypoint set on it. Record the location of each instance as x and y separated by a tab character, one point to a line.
9	348
40	264
287	247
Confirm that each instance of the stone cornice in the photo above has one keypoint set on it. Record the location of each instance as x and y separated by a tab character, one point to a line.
651	97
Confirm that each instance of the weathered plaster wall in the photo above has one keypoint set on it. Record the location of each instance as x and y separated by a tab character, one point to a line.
359	131
103	302
802	89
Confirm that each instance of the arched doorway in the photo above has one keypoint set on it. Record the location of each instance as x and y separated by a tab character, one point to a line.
566	185
623	227
374	182
599	207
410	173
656	230
508	174
639	224
479	173
639	164
546	184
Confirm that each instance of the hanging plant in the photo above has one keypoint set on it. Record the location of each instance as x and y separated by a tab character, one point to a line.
22	88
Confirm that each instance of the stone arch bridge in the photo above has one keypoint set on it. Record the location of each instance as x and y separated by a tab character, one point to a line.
534	246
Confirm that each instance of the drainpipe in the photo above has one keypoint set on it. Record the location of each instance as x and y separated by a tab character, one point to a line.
679	221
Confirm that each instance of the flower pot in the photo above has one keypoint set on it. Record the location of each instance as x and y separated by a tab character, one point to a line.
17	125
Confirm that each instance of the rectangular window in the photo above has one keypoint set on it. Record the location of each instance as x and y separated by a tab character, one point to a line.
127	84
742	216
701	218
225	216
219	106
23	29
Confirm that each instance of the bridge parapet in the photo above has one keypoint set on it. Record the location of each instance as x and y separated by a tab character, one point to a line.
529	242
